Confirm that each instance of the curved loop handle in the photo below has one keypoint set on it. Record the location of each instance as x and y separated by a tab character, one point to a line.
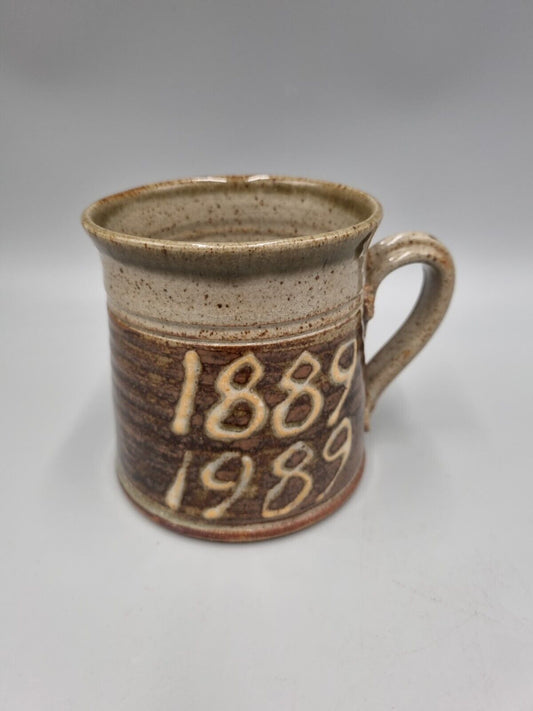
439	275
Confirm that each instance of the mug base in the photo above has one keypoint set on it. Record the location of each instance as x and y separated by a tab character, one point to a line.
242	533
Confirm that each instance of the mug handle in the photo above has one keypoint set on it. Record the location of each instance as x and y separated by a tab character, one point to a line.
435	294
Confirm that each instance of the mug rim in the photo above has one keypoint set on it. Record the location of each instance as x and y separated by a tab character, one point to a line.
112	239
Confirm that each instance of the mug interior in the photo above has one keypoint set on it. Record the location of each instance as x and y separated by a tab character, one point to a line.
233	209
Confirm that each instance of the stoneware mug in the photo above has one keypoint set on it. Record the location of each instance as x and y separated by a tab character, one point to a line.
237	309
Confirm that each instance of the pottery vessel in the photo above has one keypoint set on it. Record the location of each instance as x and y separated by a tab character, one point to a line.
237	308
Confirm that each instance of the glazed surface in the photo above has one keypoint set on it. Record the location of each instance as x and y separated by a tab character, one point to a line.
238	435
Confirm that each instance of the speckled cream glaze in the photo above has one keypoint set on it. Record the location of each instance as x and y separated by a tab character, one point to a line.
234	258
237	308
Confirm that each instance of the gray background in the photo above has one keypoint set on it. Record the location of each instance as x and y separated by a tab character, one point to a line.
419	593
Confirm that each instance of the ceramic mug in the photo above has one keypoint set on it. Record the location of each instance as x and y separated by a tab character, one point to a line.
237	310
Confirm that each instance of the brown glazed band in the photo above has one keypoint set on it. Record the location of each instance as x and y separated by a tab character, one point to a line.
234	533
149	376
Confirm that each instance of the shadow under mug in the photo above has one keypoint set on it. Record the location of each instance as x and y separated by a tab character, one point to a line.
237	309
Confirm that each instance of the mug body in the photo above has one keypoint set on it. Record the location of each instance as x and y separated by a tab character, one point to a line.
236	316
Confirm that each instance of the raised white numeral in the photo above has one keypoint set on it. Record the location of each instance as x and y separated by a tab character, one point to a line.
239	400
182	416
296	389
285	473
174	494
211	482
342	452
342	376
231	393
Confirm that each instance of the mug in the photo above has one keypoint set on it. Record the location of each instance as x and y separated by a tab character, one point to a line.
237	309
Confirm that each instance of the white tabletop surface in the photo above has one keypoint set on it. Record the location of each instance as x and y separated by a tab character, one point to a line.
417	594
